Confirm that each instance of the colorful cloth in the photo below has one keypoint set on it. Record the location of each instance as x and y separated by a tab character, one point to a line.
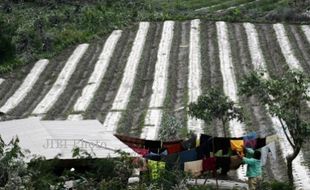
156	168
173	148
209	164
237	145
131	141
193	167
142	151
188	155
250	136
250	143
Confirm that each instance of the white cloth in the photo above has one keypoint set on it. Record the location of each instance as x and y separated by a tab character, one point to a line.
271	147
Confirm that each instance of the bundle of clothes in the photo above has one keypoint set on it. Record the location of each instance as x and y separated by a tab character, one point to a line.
199	154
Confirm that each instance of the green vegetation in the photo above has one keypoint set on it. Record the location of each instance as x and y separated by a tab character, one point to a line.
35	29
215	106
284	98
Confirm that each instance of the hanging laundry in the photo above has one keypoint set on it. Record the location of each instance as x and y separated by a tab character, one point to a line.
237	145
250	143
260	142
235	162
190	143
142	151
193	167
209	164
271	138
223	163
188	155
173	148
250	136
156	168
250	140
131	141
265	152
221	143
172	161
203	150
153	146
153	156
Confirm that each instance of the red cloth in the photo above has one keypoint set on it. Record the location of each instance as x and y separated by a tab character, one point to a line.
173	148
209	164
141	151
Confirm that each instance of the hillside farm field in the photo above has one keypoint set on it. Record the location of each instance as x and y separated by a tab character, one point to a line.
132	78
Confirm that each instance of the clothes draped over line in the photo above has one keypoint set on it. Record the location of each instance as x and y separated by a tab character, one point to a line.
206	153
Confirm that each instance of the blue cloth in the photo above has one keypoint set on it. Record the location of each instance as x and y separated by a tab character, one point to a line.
188	155
250	136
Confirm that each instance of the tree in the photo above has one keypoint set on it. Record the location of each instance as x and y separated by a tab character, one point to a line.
284	97
215	105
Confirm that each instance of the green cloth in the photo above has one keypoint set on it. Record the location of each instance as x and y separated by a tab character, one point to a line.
249	152
156	167
254	168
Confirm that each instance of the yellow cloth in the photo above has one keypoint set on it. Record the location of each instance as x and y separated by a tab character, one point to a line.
193	167
156	167
271	138
237	145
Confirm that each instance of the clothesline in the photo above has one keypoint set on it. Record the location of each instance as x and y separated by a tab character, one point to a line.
197	155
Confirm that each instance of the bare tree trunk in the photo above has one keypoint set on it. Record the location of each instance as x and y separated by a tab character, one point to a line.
289	160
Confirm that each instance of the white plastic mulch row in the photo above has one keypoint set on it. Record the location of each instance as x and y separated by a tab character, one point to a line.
306	30
122	97
1	81
194	74
62	80
229	80
96	77
286	47
159	88
25	87
301	173
287	50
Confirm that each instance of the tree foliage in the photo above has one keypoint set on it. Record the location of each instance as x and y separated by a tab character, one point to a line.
285	98
215	106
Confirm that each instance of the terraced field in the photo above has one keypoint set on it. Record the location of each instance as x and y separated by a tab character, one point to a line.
131	78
